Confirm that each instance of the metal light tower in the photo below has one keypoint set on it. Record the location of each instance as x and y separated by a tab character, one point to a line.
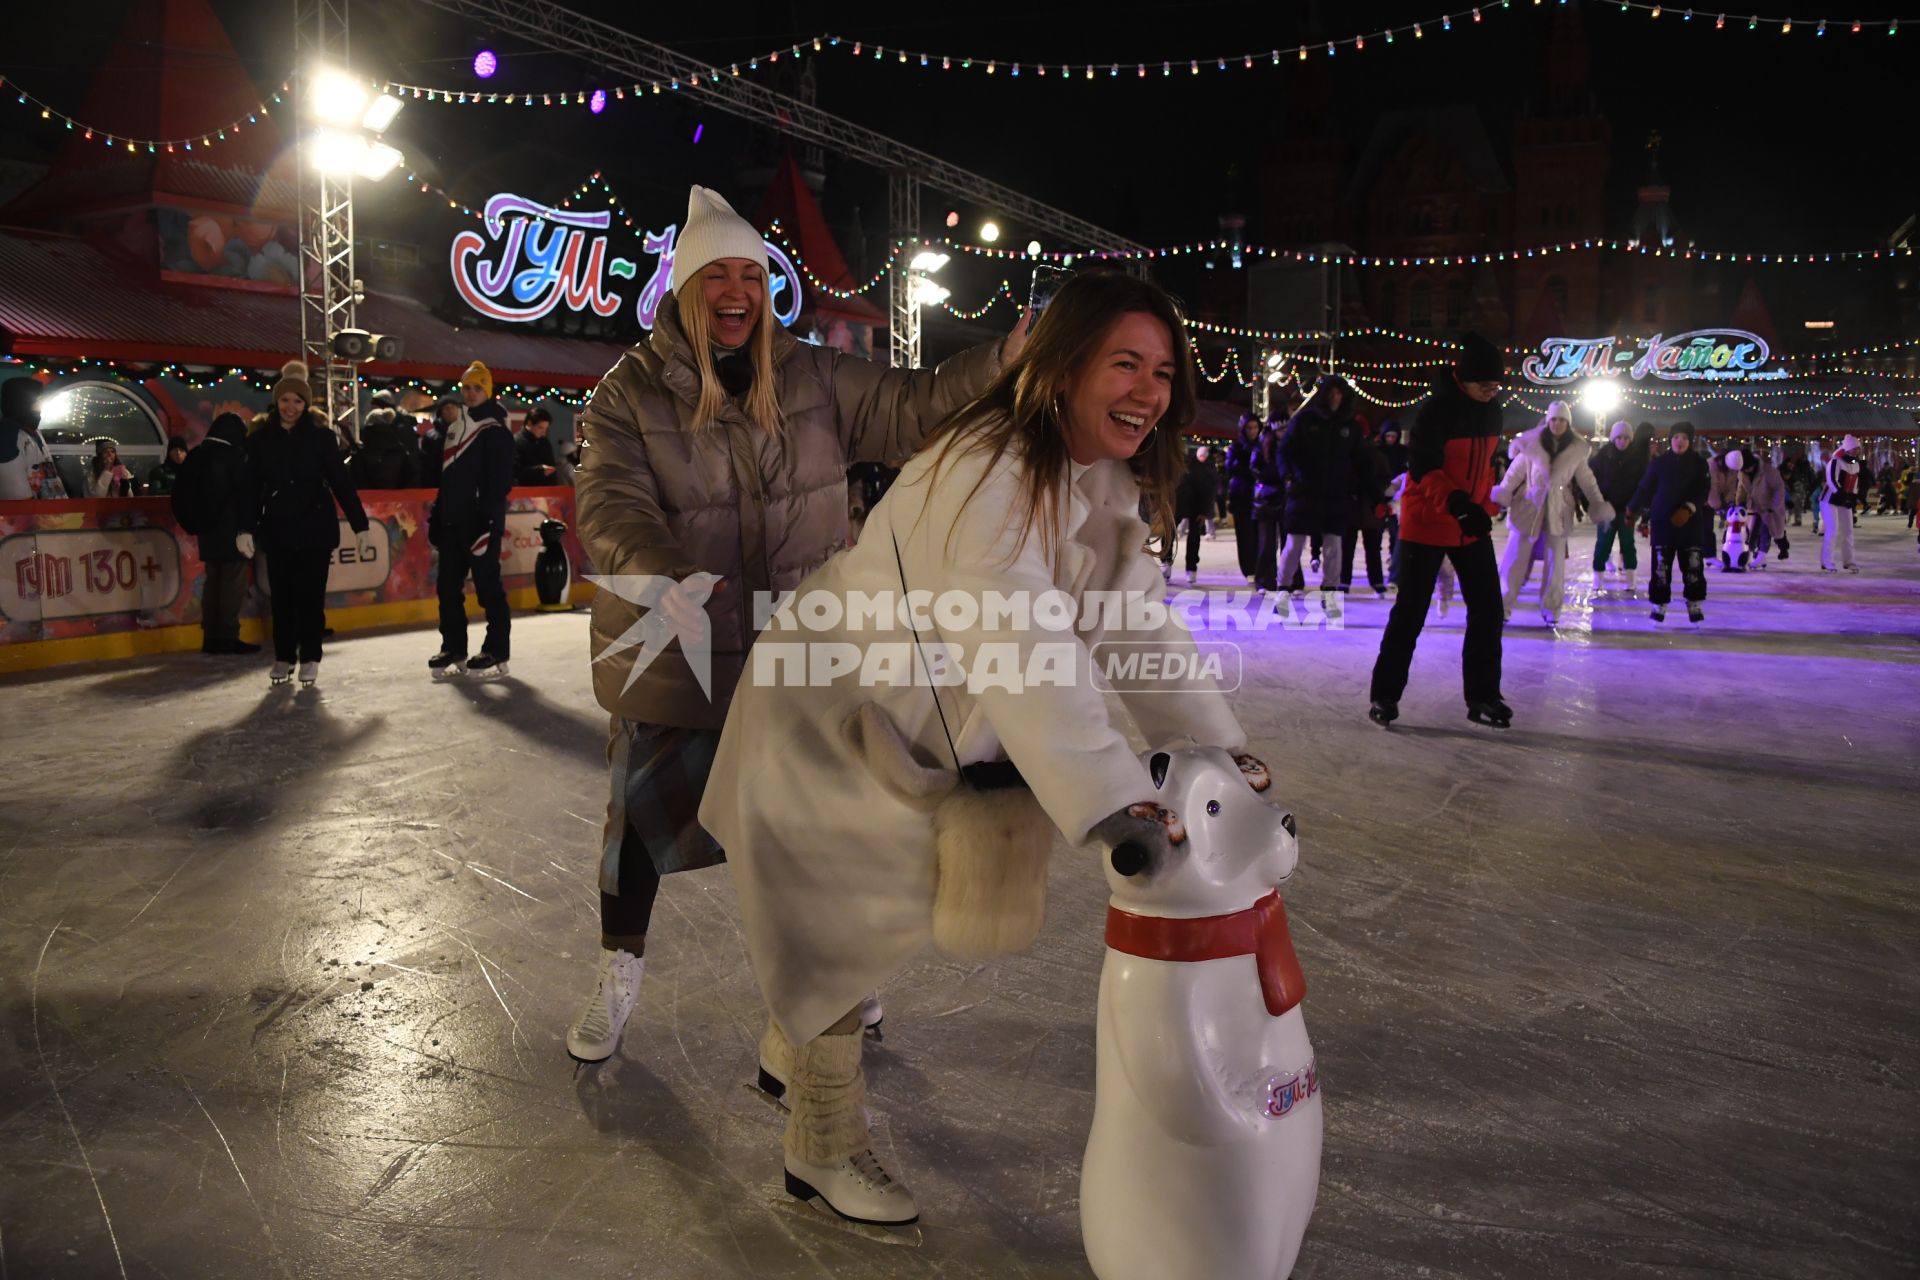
903	305
329	289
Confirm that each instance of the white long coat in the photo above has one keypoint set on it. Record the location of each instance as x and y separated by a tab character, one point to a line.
1538	491
834	866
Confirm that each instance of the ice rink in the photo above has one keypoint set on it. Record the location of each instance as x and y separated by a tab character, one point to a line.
1628	990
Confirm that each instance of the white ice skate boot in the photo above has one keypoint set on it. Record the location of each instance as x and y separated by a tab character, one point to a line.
1191	575
1549	617
445	666
595	1034
309	672
1295	617
829	1154
872	1015
282	673
1330	603
1632	586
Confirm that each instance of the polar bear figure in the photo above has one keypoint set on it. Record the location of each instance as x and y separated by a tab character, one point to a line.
1204	1158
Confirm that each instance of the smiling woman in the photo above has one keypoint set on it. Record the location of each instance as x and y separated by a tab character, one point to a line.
865	817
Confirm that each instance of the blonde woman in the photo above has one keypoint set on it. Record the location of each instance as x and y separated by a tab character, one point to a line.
837	800
718	447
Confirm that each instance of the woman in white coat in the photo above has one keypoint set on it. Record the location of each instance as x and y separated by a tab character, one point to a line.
835	796
1538	494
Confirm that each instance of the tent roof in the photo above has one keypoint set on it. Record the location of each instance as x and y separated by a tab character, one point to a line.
790	204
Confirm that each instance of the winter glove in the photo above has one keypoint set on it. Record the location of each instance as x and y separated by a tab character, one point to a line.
367	545
1140	837
243	543
1681	515
1472	517
1255	771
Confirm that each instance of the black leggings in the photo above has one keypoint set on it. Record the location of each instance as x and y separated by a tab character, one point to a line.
624	917
297	579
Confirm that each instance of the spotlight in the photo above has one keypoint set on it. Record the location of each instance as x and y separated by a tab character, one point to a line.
1601	395
485	63
953	217
989	232
336	97
1033	248
927	260
380	114
598	102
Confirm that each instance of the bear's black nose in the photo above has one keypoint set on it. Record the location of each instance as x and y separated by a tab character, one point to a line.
1292	829
1129	859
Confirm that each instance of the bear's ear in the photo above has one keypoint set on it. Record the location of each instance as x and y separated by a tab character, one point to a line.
1158	768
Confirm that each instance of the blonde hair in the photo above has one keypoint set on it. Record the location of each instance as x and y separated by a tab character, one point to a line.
763	398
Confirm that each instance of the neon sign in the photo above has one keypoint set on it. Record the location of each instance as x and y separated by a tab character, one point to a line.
1713	355
534	258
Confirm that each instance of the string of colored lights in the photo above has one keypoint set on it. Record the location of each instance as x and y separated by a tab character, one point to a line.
1243	252
202	378
589	97
1818	26
153	146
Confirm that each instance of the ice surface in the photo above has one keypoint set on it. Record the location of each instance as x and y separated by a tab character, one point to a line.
1627	990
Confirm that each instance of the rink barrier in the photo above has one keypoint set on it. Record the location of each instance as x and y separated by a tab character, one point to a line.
87	580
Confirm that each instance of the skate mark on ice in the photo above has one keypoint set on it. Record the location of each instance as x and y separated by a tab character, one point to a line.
489	875
265	1225
34	1004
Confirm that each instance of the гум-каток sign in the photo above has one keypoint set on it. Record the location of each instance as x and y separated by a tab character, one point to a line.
1706	355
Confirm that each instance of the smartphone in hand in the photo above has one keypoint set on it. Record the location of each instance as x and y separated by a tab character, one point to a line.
1046	282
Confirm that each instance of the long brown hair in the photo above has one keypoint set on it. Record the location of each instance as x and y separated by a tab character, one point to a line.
1020	410
763	397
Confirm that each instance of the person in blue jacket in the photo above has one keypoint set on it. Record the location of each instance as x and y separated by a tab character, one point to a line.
1671	497
468	527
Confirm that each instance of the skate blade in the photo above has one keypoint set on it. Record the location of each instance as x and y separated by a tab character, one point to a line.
815	1214
768	1098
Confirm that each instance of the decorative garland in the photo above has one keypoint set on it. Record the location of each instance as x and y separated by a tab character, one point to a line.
152	146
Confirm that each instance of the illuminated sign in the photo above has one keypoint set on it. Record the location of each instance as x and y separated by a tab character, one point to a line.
1710	355
533	258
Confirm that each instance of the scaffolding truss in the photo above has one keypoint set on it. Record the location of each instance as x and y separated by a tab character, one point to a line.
329	290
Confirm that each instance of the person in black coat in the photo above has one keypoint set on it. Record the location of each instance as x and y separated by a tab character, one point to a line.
1669	500
389	456
294	476
1370	518
1324	459
469	529
1269	507
1618	467
209	489
533	458
433	442
1246	534
1195	500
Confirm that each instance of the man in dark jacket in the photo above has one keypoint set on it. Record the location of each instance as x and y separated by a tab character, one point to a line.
207	495
1324	458
469	528
1246	534
161	479
1269	507
389	456
1195	501
1618	467
1673	491
1445	515
533	459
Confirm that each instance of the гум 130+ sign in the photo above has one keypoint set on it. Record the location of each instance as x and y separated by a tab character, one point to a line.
1707	355
533	258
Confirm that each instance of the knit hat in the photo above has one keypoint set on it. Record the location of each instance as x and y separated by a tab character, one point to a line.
477	375
711	232
293	377
1622	433
1479	361
1849	443
1559	409
1733	460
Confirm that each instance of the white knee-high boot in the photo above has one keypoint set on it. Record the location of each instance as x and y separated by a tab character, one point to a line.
829	1154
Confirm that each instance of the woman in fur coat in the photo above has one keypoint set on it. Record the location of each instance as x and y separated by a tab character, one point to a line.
882	784
1538	494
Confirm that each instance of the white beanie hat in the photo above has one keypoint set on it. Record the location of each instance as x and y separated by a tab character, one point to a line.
713	231
1850	443
1734	460
1560	409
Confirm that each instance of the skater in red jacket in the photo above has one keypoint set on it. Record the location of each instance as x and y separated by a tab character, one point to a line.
1445	516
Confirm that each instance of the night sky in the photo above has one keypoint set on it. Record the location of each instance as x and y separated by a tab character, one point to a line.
1772	142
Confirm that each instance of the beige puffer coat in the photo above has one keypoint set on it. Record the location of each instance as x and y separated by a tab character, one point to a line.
653	496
